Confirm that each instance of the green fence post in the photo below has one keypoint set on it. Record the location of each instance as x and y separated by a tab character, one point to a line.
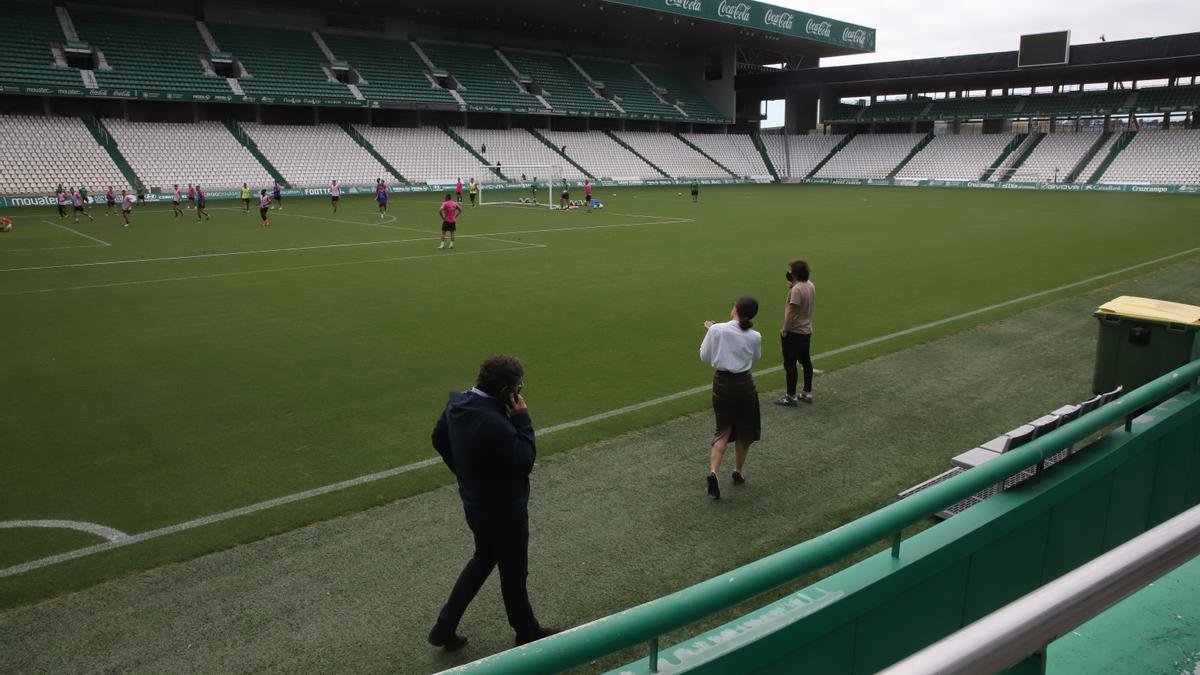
896	544
654	654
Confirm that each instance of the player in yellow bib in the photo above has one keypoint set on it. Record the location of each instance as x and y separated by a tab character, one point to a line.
245	198
474	189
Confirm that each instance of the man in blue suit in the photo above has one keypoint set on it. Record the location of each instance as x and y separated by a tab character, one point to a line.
486	438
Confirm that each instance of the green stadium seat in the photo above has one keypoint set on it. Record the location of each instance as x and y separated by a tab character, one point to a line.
485	82
391	69
148	52
279	62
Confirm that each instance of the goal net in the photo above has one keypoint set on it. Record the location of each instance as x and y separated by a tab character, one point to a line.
539	185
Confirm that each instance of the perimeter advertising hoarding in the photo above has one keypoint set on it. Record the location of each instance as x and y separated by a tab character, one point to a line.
761	16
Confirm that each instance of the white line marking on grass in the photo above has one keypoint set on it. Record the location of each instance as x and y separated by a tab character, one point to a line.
214	518
108	533
71	229
49	248
432	237
326	489
293	268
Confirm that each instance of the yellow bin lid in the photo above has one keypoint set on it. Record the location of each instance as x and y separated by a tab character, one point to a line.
1149	309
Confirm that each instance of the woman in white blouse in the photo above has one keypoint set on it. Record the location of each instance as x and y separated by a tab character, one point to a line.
731	349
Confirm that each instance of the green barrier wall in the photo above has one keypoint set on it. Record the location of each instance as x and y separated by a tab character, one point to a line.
895	603
163	198
1010	185
879	611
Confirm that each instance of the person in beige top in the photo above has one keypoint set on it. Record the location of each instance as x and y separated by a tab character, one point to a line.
797	332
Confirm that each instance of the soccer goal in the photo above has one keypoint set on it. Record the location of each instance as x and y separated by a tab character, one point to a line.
518	187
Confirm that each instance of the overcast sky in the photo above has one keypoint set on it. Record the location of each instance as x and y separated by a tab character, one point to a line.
913	30
910	30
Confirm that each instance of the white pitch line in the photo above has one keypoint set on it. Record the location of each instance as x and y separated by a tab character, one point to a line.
287	499
97	529
293	268
48	248
71	229
432	236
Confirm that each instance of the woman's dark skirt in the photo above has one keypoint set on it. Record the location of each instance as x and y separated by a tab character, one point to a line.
735	403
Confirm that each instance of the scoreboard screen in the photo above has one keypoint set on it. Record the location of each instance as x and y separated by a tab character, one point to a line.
1044	49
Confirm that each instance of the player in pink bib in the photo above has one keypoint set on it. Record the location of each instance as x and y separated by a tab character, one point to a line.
458	191
126	206
587	194
449	212
335	193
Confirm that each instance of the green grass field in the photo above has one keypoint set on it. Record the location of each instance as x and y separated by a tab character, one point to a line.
163	373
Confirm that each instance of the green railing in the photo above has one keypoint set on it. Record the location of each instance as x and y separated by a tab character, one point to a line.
836	149
645	623
766	157
1008	150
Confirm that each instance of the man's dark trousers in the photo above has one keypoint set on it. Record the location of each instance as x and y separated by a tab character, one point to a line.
500	542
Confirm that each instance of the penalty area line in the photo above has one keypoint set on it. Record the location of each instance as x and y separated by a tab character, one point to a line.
74	231
293	268
326	489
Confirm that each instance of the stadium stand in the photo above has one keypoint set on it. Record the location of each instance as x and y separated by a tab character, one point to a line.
391	70
314	155
1158	157
1163	99
692	103
484	80
672	155
1094	163
601	156
735	152
26	57
1075	103
977	107
1054	157
425	154
42	152
956	157
282	63
870	156
796	156
163	56
516	147
884	111
164	154
633	93
563	86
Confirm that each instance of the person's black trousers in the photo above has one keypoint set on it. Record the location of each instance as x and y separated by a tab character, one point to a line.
796	349
503	543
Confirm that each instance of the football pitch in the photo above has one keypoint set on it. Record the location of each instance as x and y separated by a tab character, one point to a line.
174	387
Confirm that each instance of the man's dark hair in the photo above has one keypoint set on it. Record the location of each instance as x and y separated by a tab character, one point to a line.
447	196
800	270
499	372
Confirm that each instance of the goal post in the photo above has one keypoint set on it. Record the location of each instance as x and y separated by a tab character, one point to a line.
517	190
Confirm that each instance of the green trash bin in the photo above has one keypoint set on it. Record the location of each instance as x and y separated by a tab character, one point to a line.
1142	339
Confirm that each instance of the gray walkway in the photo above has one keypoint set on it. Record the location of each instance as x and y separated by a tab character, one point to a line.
613	524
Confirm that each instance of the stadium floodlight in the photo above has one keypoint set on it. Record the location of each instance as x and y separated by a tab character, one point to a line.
517	187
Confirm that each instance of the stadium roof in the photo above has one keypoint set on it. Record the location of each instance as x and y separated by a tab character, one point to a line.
637	25
1141	59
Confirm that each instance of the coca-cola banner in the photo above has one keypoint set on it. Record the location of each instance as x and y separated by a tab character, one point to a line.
762	16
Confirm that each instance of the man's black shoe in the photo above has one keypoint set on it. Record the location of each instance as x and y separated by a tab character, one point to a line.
533	637
451	643
738	478
714	488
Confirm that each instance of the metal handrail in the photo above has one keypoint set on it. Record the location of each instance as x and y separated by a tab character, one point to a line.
1007	636
645	622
